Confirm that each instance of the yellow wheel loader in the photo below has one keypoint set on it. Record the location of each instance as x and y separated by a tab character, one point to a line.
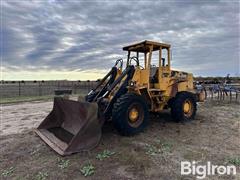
126	97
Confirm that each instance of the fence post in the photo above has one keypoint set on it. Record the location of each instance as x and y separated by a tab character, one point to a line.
39	88
19	88
73	88
88	85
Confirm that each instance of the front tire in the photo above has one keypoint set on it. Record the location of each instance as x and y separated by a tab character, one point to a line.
130	114
184	107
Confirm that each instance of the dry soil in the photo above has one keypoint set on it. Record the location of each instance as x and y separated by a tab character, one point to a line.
155	153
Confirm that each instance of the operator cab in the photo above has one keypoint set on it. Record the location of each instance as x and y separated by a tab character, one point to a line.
153	57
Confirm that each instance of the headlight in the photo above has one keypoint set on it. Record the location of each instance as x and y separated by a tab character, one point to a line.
132	83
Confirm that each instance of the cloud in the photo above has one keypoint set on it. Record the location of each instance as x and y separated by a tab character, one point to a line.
89	35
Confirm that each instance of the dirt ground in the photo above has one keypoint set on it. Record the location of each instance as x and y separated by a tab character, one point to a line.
154	154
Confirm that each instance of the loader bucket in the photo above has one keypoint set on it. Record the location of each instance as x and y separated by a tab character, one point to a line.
71	126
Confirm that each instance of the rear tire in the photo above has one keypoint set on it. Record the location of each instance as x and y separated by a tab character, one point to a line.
130	114
183	107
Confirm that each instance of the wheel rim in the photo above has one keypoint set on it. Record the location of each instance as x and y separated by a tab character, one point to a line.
135	115
187	108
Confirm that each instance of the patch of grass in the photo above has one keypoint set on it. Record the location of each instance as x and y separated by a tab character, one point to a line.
104	154
152	150
8	172
24	99
164	146
87	170
158	147
167	147
63	164
41	176
235	161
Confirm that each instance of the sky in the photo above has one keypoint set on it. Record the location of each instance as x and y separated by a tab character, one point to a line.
80	40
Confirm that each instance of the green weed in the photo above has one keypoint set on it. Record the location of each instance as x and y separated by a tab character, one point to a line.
63	164
152	150
104	154
8	172
42	176
165	146
87	170
234	161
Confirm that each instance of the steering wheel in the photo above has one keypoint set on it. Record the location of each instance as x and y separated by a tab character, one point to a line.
134	58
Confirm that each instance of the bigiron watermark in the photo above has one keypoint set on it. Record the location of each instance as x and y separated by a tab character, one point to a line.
208	169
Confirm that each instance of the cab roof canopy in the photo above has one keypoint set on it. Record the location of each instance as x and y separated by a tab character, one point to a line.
144	46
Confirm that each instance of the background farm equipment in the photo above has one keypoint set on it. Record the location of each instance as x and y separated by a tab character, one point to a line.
222	92
219	91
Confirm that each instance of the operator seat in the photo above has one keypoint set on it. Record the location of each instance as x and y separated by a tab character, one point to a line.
153	74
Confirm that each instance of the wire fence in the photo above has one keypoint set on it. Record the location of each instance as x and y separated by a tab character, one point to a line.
41	88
